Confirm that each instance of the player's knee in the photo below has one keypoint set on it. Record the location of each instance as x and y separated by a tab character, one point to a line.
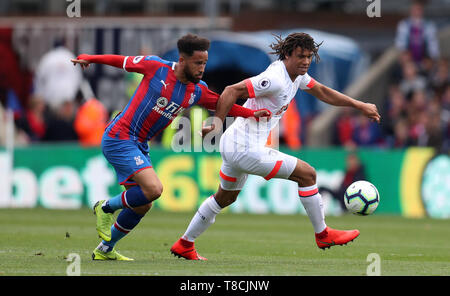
224	199
152	191
308	177
311	176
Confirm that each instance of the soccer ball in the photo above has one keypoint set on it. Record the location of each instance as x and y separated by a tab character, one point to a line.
361	198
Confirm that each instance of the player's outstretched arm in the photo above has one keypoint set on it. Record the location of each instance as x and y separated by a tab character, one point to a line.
335	98
107	59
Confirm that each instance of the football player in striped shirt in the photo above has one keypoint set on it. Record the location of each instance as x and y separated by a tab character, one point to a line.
166	89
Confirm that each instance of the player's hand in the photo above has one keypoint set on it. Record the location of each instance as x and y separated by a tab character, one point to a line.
371	111
262	113
83	63
207	129
215	126
79	60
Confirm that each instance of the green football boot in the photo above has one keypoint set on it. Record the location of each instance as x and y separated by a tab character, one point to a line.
112	255
104	221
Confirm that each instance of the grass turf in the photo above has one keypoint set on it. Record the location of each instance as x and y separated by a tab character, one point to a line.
37	242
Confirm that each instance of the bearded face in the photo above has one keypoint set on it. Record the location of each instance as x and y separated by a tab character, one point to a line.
194	66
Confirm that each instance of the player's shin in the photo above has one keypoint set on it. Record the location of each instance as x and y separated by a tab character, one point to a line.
126	221
312	202
203	218
131	198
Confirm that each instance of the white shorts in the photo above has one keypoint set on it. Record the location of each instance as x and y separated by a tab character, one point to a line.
263	161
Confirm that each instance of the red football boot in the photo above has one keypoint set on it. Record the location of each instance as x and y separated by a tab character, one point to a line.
185	249
332	237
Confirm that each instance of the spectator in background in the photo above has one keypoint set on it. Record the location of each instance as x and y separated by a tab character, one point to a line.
57	82
60	124
15	82
291	126
366	132
343	128
394	108
352	131
400	137
417	38
418	102
417	116
433	135
354	171
416	125
445	117
33	121
90	122
15	88
411	80
440	78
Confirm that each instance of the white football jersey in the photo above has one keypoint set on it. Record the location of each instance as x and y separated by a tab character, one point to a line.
273	89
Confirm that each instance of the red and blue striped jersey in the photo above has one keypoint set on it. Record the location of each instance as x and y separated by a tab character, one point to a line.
158	99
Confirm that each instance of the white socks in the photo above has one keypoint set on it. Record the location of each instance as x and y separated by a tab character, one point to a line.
312	201
208	210
205	216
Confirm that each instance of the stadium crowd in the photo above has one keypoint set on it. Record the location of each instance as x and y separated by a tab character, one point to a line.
416	110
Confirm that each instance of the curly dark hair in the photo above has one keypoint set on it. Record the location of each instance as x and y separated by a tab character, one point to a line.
284	47
190	43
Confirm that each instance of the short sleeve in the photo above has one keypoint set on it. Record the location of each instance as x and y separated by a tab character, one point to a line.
140	64
208	98
262	85
307	82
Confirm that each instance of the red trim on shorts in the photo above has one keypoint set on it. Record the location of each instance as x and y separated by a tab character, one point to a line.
308	193
311	83
251	90
227	178
124	182
275	170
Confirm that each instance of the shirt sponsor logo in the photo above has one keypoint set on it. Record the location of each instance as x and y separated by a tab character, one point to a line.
170	110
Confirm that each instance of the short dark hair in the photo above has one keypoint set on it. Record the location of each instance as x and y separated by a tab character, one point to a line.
285	47
190	43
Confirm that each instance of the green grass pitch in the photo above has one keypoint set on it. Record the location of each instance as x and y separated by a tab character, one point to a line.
38	241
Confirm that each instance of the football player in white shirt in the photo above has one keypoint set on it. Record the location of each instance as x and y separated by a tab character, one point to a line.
242	146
